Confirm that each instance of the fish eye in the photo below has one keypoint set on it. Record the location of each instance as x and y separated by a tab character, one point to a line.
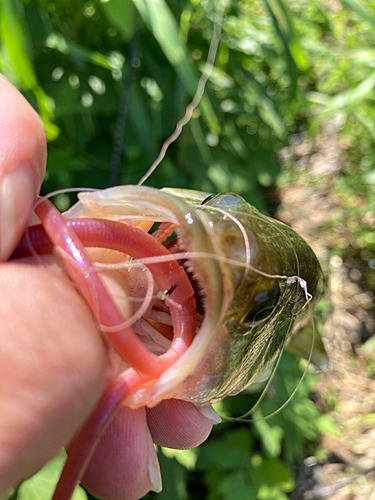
263	304
209	198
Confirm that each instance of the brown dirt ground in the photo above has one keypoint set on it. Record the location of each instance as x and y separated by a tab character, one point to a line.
346	388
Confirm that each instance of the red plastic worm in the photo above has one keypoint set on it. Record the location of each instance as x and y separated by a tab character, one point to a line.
83	447
72	237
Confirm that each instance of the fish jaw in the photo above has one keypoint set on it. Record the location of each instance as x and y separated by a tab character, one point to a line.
243	350
142	206
228	352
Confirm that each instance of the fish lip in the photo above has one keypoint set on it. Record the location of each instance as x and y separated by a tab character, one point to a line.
145	202
193	376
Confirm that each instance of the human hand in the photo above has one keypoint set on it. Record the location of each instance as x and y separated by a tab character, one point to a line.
54	363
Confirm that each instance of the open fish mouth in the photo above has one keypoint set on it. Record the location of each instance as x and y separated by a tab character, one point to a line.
245	272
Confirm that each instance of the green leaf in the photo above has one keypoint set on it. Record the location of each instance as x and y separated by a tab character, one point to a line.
271	436
13	36
327	425
120	13
174	477
14	39
267	492
360	11
65	46
346	100
267	107
234	487
159	19
187	458
143	122
284	28
230	453
271	477
216	453
41	485
365	116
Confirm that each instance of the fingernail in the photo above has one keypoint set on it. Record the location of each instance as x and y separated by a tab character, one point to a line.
155	478
153	467
209	413
17	194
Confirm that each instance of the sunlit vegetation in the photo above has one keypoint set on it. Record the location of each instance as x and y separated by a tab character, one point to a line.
284	70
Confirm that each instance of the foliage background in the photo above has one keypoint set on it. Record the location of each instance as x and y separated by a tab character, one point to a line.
283	70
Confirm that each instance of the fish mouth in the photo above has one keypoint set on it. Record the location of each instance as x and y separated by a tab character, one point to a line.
141	208
211	247
191	245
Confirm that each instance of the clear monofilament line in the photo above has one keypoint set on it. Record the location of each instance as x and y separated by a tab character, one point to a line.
243	418
198	95
220	258
145	301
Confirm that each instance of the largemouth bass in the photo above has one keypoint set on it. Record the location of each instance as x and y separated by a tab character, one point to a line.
247	272
249	277
248	317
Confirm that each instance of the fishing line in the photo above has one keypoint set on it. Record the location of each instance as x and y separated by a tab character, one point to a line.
191	255
243	418
246	265
64	191
302	377
205	255
37	203
308	298
243	232
198	94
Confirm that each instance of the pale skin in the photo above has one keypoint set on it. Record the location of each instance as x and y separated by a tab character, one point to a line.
54	362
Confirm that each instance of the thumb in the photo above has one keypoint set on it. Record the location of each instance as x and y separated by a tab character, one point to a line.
22	164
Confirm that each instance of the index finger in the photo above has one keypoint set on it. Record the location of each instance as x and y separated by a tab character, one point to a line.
22	164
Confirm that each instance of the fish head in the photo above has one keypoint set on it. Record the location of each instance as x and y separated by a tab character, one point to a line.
252	274
272	274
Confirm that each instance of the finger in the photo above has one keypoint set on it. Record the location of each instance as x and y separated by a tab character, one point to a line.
124	465
53	367
22	164
178	424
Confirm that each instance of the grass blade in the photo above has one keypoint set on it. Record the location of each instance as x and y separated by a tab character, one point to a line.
159	19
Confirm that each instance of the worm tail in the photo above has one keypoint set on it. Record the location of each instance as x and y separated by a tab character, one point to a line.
83	447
